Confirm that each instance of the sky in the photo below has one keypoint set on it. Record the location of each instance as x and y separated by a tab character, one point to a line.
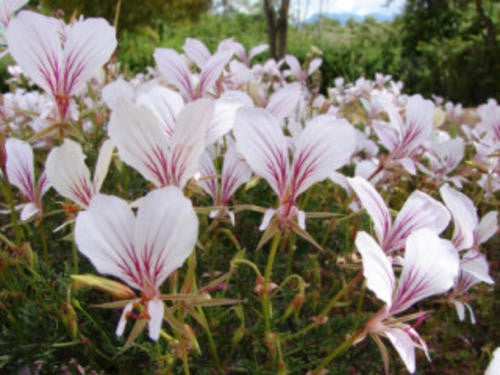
306	8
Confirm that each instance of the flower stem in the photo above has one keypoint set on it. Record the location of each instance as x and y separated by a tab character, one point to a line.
13	216
266	305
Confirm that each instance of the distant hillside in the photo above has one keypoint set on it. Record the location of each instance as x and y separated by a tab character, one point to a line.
345	16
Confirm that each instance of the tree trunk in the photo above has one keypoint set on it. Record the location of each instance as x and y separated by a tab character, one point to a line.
271	27
282	26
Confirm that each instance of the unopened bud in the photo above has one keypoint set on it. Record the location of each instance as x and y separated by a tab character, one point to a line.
113	288
69	319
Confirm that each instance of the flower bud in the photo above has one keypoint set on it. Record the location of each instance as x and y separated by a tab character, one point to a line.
113	288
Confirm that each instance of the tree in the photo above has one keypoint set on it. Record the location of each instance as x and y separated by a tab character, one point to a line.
277	25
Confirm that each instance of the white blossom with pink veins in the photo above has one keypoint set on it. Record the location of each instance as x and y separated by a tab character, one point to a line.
143	143
468	235
142	250
70	177
235	172
325	145
419	211
430	266
403	138
60	58
494	366
21	174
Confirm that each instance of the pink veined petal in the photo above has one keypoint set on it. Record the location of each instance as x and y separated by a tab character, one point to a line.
117	92
373	204
43	185
260	140
212	70
141	142
174	69
208	181
284	101
294	65
155	310
430	267
235	172
19	167
226	108
386	134
165	233
188	141
104	233
266	219
102	164
196	51
123	319
257	50
488	226
34	43
418	126
314	65
464	216
7	9
68	174
404	345
419	211
166	104
89	45
377	268
325	145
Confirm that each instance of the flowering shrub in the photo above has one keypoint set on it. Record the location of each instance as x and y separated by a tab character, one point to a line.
193	154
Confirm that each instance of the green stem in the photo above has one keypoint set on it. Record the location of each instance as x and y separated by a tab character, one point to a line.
211	343
74	251
213	253
266	305
43	237
338	351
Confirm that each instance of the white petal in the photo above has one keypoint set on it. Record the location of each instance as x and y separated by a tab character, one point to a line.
29	210
294	65
123	319
430	267
102	164
188	141
471	313
226	108
314	65
165	233
34	43
459	306
404	345
266	219
88	46
155	311
141	142
377	268
174	69
418	126
104	234
464	216
68	174
419	211
283	101
196	51
260	140
7	9
19	167
374	205
235	172
212	70
476	265
116	93
301	219
208	180
326	144
494	366
257	50
166	104
488	226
